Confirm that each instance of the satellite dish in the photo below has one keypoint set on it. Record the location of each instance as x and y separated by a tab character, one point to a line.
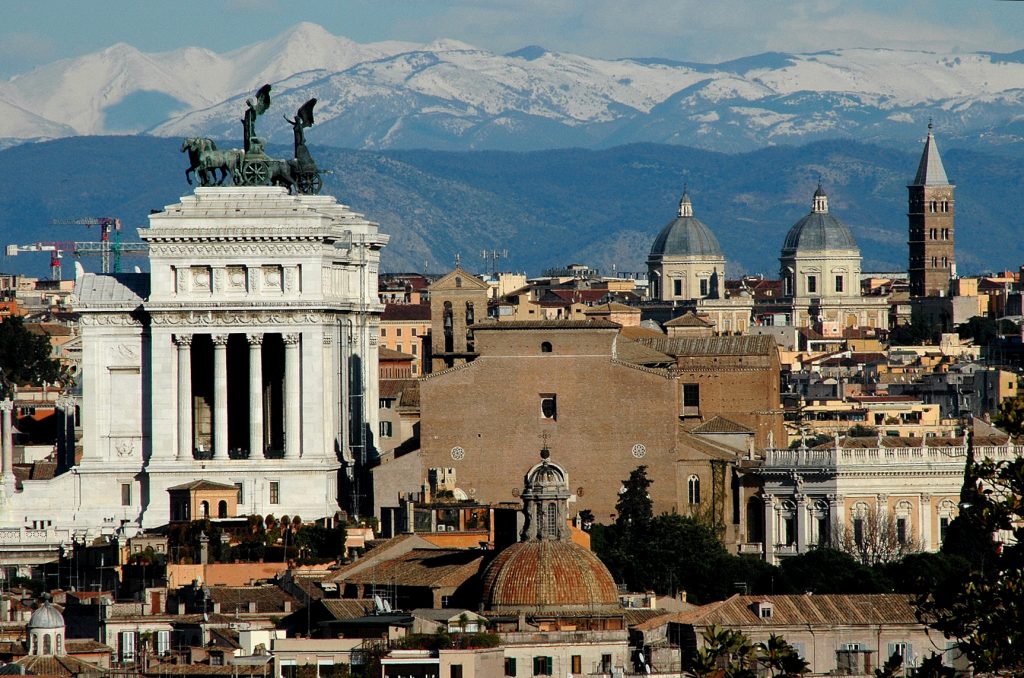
79	270
138	270
387	605
378	605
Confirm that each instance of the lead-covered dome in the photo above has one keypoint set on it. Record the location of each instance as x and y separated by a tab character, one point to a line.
46	617
686	235
819	230
548	576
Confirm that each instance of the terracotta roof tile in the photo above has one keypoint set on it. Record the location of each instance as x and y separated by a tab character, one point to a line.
805	609
592	324
713	346
720	424
421	567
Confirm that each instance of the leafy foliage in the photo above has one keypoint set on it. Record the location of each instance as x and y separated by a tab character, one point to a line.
983	609
731	654
24	357
1010	416
670	552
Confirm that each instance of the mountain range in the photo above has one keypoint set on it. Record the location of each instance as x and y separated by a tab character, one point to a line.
448	95
548	208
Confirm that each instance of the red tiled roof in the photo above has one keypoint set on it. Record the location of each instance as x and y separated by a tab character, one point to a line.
806	609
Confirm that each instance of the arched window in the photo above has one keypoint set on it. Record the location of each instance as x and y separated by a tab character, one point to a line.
60	644
551	522
204	510
47	644
449	337
470	316
693	489
458	281
545	347
222	509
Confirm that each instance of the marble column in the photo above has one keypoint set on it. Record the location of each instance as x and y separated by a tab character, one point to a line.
220	396
255	395
7	447
769	528
924	521
292	396
185	438
801	516
329	399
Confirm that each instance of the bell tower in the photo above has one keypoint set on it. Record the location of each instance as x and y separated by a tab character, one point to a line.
930	210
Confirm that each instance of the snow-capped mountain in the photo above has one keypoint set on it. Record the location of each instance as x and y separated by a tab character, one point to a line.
451	95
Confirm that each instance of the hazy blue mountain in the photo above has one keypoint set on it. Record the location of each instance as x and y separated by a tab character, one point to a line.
548	208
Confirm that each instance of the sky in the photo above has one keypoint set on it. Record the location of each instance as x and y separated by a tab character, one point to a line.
36	33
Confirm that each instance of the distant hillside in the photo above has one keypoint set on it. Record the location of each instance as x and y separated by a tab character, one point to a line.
546	207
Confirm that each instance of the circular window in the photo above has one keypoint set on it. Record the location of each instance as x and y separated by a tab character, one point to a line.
639	451
458	454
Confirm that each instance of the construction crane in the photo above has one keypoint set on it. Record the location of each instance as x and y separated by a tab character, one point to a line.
106	249
110	250
56	250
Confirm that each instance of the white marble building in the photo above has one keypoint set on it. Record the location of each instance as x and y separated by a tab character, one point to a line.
810	495
247	356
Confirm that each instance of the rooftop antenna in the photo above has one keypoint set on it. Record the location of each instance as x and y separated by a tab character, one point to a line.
493	256
458	260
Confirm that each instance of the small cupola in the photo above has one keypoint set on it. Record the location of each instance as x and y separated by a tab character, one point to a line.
820	205
685	206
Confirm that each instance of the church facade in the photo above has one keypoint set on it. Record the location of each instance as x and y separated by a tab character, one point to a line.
246	357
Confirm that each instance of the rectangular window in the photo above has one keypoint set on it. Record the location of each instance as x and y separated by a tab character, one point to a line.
510	666
901	531
455	671
858	531
383	331
577	665
240	488
606	663
126	494
812	284
385	429
542	666
691	398
289	669
677	288
163	642
415	349
399	348
385	403
839	283
548	406
703	287
275	492
943	528
398	331
128	646
789	529
413	332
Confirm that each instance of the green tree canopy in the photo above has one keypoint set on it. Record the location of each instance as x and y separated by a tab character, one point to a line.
983	608
24	357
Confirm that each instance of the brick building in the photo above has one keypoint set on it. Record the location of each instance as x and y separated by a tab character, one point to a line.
589	394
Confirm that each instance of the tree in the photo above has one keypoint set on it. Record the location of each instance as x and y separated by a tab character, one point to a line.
983	610
634	508
24	357
876	537
1010	416
730	653
826	570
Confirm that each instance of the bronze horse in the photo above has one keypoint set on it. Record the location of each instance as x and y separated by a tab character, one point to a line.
205	161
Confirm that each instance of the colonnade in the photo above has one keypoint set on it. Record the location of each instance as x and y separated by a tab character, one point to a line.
291	396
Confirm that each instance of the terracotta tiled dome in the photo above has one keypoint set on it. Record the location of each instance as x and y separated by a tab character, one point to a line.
548	576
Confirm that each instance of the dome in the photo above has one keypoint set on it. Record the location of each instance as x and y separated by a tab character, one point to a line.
686	236
548	576
46	617
819	230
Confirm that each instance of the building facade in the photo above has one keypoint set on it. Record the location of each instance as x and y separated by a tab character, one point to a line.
247	356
